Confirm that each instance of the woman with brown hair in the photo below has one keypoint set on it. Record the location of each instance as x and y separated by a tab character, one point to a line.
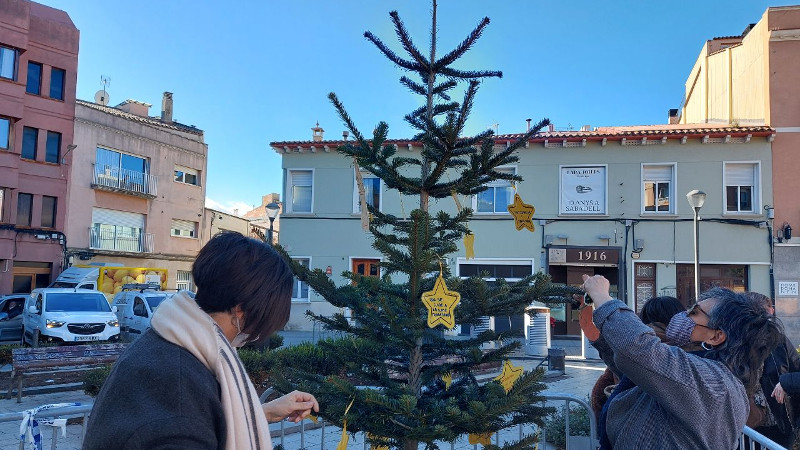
182	385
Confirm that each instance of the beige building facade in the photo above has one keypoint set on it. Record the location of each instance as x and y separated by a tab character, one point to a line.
608	201
754	79
137	189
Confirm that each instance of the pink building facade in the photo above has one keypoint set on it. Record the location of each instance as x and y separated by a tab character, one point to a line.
38	74
752	79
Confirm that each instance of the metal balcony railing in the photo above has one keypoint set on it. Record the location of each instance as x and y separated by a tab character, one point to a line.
122	239
123	180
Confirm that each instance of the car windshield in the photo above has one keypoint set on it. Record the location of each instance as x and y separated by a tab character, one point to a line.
155	300
77	301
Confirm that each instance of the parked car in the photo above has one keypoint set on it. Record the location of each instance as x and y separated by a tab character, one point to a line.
11	307
68	315
135	309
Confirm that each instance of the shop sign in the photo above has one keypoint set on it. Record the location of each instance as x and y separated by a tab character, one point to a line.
583	190
787	289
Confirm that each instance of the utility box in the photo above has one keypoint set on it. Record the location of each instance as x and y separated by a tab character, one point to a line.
537	331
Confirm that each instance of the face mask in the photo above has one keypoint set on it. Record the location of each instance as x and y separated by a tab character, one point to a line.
679	330
241	338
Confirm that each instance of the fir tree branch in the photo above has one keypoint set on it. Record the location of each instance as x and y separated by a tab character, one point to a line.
463	47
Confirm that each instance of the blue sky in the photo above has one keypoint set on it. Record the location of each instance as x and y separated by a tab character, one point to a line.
251	72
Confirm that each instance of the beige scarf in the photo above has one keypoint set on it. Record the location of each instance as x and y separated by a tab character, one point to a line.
180	321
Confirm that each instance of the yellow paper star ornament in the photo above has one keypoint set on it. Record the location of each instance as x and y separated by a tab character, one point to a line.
440	303
448	380
522	212
480	438
509	376
469	245
345	437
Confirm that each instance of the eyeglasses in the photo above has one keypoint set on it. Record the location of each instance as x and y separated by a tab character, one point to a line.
694	310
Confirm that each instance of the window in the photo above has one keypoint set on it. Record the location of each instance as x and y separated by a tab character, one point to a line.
24	208
658	184
372	192
30	138
8	63
57	77
138	307
300	185
300	288
123	171
645	284
49	211
491	270
497	197
53	147
5	133
741	184
183	228
34	85
186	175
119	230
184	281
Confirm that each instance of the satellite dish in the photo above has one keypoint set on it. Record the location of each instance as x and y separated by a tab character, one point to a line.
101	97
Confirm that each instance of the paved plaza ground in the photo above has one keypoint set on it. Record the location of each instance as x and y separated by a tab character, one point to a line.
578	380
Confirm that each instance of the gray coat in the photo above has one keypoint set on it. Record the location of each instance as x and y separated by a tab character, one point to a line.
158	396
680	401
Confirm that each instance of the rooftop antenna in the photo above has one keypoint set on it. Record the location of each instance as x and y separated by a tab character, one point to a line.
101	96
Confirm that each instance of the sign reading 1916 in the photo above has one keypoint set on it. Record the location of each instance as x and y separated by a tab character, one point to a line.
593	255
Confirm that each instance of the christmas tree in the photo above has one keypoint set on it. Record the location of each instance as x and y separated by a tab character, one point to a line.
395	374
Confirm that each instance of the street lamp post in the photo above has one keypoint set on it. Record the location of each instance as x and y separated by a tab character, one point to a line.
272	212
696	199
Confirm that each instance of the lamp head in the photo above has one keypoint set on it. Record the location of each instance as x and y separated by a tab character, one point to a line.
696	198
273	209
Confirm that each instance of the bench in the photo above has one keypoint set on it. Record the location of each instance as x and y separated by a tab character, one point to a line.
34	361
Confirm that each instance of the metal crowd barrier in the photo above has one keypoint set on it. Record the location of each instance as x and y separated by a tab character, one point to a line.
749	440
55	413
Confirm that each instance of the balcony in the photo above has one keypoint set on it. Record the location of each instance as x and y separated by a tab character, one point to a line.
120	239
123	181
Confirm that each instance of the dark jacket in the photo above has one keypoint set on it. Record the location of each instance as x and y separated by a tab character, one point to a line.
677	400
781	362
158	396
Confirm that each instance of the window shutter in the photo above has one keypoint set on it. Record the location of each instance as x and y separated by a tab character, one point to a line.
183	226
740	174
301	178
657	173
119	218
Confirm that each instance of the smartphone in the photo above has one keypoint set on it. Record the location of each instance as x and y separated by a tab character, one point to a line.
587	300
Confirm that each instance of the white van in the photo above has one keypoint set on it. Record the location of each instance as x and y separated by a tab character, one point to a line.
135	309
68	315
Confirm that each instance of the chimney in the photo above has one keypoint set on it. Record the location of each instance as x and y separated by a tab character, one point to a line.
166	107
135	107
586	128
674	117
317	133
235	210
529	124
345	134
551	128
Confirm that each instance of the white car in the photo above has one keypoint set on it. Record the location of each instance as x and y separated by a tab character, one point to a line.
68	315
135	309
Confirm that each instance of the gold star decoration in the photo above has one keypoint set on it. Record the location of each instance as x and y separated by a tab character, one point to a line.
481	438
448	380
469	245
522	212
313	418
509	376
345	437
440	303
